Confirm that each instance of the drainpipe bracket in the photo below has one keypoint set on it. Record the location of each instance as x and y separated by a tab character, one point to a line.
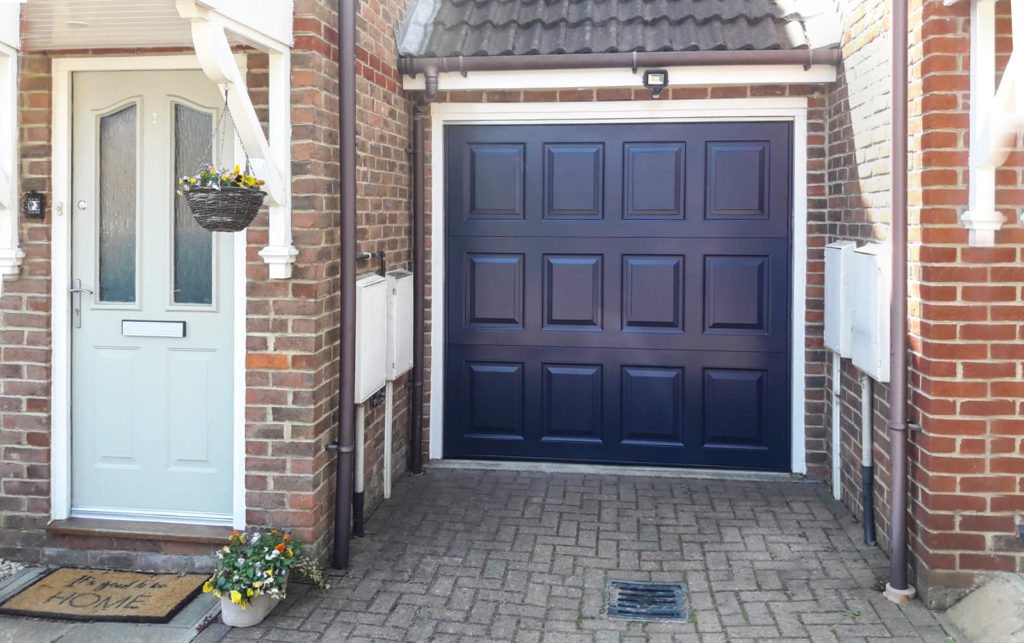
899	596
334	446
915	427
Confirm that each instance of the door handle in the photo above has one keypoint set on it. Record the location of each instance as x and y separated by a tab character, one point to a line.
76	291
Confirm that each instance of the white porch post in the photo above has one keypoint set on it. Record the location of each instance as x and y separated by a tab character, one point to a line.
996	116
271	159
11	253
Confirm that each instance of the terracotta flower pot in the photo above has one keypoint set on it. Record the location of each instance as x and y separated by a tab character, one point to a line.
253	614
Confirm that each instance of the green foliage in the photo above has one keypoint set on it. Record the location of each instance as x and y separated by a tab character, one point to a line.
253	565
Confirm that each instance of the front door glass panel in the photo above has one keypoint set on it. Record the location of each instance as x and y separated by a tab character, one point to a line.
118	161
193	246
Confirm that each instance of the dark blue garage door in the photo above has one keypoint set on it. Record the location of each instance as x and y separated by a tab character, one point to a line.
619	293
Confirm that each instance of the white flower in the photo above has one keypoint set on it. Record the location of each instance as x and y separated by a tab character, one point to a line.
255	536
241	561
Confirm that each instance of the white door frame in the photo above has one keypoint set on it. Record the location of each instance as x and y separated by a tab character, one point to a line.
790	109
60	281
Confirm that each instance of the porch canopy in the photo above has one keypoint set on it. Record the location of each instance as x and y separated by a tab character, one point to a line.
213	29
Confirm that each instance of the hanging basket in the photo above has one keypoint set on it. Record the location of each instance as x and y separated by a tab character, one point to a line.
226	209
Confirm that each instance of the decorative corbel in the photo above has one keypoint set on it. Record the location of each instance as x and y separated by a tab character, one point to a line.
996	117
271	159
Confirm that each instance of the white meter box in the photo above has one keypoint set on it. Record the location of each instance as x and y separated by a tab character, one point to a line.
869	309
837	296
399	345
371	336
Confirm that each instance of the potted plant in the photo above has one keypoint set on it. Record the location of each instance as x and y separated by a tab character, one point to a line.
251	574
221	200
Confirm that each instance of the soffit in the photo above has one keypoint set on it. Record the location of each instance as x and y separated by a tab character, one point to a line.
88	24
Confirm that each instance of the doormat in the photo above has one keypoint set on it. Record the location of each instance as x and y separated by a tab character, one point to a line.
101	595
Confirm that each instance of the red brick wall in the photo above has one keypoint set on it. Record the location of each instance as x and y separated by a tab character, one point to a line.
25	336
292	332
383	174
814	412
966	331
858	209
967	468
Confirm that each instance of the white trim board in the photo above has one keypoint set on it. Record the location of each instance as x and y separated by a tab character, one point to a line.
624	77
792	109
60	281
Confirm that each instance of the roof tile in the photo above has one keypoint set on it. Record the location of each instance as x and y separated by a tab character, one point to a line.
523	27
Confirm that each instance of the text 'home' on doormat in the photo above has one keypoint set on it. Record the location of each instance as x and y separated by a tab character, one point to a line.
102	595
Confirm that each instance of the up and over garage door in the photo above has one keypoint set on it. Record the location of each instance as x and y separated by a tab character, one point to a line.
619	293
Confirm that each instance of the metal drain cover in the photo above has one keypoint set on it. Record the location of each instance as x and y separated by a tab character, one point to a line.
648	601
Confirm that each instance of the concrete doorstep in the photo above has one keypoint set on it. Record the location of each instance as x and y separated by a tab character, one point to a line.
198	621
993	613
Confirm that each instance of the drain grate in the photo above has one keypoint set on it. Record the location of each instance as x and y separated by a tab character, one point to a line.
648	601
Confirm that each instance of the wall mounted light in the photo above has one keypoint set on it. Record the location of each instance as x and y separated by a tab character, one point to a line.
33	205
655	80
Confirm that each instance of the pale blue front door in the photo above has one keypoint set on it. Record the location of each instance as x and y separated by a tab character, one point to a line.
152	326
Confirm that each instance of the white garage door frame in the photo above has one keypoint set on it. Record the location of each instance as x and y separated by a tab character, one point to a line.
786	109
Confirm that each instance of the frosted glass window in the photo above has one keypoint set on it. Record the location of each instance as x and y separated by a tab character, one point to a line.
193	246
118	152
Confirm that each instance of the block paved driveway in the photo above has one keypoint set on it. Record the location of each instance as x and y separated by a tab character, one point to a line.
474	555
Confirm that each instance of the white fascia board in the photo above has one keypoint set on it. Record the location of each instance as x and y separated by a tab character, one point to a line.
10	19
624	77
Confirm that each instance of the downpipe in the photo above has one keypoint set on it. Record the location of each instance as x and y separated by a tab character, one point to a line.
898	589
347	240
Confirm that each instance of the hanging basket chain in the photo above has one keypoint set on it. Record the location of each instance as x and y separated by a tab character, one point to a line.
218	130
225	208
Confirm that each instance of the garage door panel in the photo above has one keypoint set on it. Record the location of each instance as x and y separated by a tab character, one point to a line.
736	294
737	180
626	300
574	181
648	180
653	180
573	408
496	185
653	293
573	292
631	293
637	407
653	405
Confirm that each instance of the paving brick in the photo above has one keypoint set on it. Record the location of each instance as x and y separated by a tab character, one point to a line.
793	570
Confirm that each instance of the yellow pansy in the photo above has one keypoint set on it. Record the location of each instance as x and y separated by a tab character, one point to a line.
270	572
216	593
236	597
238	170
207	587
248	592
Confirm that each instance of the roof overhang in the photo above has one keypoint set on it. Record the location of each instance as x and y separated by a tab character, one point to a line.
211	28
51	25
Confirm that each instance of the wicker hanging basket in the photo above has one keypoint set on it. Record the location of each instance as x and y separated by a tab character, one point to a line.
226	209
